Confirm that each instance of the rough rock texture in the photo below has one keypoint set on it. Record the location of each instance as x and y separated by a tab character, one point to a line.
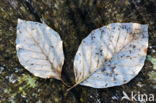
73	20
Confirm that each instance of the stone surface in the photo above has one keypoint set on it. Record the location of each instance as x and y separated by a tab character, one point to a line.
73	20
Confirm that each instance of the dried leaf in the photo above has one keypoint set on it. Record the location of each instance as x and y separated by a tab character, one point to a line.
39	49
111	55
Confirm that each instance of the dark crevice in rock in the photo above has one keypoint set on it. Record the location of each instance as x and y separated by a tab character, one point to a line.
78	17
32	10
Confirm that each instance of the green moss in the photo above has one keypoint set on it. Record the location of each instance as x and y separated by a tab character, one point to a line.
152	60
152	75
29	80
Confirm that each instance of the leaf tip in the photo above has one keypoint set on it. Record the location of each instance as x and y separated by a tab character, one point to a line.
19	20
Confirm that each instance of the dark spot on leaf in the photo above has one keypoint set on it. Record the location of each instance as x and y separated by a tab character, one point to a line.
123	27
113	68
101	50
52	46
145	50
102	31
130	51
93	37
134	46
84	41
116	74
97	53
127	56
130	45
103	69
124	81
114	79
113	28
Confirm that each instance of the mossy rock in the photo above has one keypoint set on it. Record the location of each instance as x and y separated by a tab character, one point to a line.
73	20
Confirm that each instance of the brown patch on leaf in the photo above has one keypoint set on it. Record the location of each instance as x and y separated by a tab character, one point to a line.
145	50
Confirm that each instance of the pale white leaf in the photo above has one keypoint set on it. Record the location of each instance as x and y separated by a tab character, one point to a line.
39	49
111	55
